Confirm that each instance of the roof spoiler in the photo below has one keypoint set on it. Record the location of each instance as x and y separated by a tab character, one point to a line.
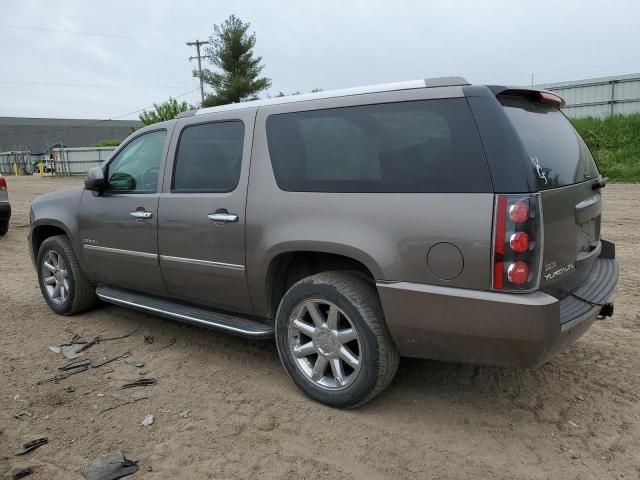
531	94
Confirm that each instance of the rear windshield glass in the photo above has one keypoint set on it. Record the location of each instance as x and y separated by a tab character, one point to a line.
558	155
420	146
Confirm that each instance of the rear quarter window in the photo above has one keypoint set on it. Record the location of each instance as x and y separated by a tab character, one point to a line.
420	146
557	154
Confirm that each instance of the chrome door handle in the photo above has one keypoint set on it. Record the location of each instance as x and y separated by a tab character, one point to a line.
141	214
223	217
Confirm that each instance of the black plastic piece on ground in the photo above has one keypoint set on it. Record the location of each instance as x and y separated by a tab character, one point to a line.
32	445
606	310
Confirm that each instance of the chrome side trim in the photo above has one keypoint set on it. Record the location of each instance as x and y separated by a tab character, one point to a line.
178	316
206	263
120	251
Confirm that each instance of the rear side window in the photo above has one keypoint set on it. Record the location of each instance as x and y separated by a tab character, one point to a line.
557	153
209	158
420	146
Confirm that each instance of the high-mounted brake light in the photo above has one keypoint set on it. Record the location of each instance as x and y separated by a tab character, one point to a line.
516	242
546	97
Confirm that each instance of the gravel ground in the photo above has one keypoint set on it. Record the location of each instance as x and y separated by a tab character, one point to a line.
224	408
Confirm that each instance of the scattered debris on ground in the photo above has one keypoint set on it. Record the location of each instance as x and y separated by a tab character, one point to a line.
127	402
32	445
148	420
142	382
171	342
21	472
111	466
134	363
112	359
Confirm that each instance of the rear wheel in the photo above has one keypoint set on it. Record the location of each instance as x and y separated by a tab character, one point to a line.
333	341
64	287
4	227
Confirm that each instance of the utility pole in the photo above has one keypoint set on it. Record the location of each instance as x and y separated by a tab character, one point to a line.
197	44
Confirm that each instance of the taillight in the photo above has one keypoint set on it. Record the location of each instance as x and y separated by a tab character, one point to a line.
519	211
3	183
517	242
518	272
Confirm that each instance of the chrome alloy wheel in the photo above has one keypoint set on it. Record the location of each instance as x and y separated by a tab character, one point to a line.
55	277
325	344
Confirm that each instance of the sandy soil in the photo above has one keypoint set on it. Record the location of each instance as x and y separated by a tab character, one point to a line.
576	417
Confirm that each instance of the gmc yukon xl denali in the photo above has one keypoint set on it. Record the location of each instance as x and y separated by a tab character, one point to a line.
430	219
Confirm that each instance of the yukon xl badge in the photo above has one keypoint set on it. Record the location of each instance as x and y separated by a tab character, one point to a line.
558	272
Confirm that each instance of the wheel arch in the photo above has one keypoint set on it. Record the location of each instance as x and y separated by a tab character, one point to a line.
44	229
287	266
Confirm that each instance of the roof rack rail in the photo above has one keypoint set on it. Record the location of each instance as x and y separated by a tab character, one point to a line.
445	81
386	87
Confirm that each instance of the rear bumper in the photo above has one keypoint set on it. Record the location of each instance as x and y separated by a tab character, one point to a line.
489	328
5	211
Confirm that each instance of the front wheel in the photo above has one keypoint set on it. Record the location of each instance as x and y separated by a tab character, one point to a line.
64	287
4	227
333	341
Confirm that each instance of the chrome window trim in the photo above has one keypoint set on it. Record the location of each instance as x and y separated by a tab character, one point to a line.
120	251
206	263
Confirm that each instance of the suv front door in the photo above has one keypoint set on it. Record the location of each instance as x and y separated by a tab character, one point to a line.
118	228
201	229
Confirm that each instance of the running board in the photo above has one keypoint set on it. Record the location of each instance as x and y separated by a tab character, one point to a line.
241	326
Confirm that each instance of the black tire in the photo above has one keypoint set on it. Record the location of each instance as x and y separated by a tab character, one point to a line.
357	298
4	227
82	294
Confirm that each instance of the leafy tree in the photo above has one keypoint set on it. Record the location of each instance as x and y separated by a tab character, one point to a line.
107	143
238	78
165	111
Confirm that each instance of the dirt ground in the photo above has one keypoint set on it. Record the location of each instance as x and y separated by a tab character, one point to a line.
224	408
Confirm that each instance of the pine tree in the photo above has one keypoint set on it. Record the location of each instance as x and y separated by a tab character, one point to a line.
231	50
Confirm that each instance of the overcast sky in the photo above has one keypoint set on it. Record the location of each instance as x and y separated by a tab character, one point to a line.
304	44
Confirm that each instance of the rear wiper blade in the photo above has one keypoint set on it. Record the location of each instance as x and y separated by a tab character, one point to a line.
599	183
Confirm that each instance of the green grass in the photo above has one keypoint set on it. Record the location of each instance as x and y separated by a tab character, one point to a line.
615	144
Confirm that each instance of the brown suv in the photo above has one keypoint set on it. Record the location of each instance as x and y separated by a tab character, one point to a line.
429	219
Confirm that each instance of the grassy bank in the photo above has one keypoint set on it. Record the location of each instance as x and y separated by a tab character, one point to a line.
615	144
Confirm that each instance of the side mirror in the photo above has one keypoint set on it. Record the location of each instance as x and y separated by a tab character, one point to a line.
95	180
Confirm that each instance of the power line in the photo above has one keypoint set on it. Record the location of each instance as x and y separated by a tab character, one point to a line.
88	124
93	34
100	85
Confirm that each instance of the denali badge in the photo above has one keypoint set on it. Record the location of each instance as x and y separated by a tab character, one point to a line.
558	272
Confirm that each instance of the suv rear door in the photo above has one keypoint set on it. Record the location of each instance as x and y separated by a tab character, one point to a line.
564	172
201	230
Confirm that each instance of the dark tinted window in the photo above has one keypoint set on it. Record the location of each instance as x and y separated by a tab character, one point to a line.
209	158
557	154
421	146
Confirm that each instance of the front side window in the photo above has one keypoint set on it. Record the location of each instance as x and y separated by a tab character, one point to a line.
419	146
136	167
209	158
